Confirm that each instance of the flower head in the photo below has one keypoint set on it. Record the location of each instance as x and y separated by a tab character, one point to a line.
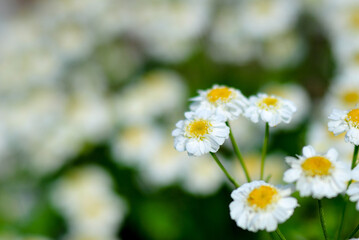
261	206
317	175
202	132
225	100
271	109
345	121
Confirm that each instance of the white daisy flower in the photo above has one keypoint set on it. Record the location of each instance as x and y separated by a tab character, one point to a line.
353	190
227	101
202	132
271	109
317	175
295	93
261	206
345	121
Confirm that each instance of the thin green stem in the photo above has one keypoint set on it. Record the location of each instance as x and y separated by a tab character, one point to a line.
280	234
272	236
354	160
342	219
224	170
355	156
238	153
354	232
264	149
321	215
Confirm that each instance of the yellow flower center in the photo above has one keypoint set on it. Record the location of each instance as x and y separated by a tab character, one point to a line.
268	102
316	166
263	7
262	196
353	118
351	97
356	58
354	19
223	94
198	128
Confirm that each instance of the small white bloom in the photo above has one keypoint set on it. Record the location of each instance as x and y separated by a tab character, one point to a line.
261	206
271	109
227	101
353	190
295	93
317	175
202	132
345	121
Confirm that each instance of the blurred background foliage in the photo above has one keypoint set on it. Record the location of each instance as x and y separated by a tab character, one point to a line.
90	91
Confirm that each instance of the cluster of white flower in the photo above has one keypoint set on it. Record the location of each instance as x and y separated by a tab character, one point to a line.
204	130
256	205
85	198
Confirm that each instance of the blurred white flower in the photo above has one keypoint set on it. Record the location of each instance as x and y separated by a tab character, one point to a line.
227	41
89	113
281	51
201	132
202	176
72	39
270	109
261	206
226	101
165	167
168	28
318	175
265	18
85	198
156	93
246	133
137	143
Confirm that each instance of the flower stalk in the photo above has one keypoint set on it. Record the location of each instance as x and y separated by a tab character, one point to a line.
322	221
264	149
230	178
238	153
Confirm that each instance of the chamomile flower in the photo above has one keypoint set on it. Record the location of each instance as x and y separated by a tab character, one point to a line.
227	101
261	206
353	190
317	175
345	121
202	132
271	109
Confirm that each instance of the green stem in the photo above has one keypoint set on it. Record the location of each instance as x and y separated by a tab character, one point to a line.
238	153
264	149
224	170
321	215
342	219
354	160
353	233
280	234
355	156
272	236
